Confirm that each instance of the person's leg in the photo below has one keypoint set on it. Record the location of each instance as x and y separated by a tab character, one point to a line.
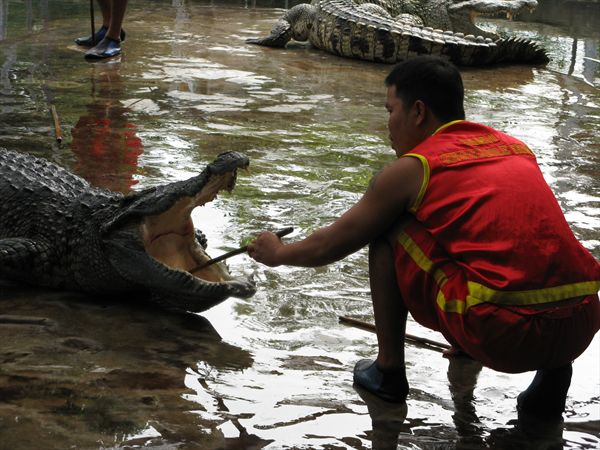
385	377
388	308
90	41
105	9
117	15
546	395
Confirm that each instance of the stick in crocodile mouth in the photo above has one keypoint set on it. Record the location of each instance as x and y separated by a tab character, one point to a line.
59	231
210	262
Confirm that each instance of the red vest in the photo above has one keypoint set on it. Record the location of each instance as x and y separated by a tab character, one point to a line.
486	203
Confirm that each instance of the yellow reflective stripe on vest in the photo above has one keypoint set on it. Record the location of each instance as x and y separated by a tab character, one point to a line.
420	258
478	293
426	170
426	175
446	125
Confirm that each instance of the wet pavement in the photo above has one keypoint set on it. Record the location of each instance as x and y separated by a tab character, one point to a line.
273	371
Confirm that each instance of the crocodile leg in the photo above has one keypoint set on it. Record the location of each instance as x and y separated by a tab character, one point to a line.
295	24
280	35
19	257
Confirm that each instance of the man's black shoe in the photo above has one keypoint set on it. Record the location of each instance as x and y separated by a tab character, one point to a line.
107	48
390	385
86	41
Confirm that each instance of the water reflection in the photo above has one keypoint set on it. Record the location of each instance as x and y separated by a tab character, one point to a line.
29	13
3	19
580	19
387	420
392	430
108	371
104	139
524	432
462	379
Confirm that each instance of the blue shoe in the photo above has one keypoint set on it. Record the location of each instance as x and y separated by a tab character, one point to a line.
389	385
106	48
86	41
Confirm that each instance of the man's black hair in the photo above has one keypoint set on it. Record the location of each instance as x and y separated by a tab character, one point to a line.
434	81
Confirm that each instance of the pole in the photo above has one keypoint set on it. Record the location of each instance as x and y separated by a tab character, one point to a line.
92	22
57	129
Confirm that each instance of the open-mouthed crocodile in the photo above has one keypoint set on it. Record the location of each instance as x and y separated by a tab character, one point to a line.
56	230
392	31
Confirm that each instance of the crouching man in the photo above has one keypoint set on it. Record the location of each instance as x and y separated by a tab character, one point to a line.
465	234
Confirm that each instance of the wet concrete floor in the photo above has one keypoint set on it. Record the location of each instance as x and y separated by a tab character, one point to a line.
273	371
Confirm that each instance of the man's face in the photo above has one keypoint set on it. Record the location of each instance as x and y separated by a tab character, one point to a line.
400	125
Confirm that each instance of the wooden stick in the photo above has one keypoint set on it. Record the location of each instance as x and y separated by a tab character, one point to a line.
434	345
57	130
280	233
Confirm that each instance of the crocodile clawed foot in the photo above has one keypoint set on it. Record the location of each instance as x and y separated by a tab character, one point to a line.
269	41
280	35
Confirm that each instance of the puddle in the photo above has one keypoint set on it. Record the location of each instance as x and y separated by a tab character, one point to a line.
273	371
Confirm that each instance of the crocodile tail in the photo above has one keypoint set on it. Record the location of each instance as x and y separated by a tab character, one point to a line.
519	50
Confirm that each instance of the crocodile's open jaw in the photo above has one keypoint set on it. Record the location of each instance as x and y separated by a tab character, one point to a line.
154	244
170	237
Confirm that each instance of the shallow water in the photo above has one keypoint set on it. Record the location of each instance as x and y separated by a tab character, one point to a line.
273	371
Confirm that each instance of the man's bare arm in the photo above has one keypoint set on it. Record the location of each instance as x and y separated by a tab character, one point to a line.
389	195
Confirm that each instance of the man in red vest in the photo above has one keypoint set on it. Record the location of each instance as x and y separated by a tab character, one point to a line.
465	234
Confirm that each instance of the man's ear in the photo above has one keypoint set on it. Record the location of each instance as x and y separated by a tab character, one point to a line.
420	112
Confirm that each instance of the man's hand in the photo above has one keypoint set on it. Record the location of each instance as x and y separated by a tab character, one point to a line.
264	249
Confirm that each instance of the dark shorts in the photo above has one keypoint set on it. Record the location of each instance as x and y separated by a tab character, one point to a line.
505	338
